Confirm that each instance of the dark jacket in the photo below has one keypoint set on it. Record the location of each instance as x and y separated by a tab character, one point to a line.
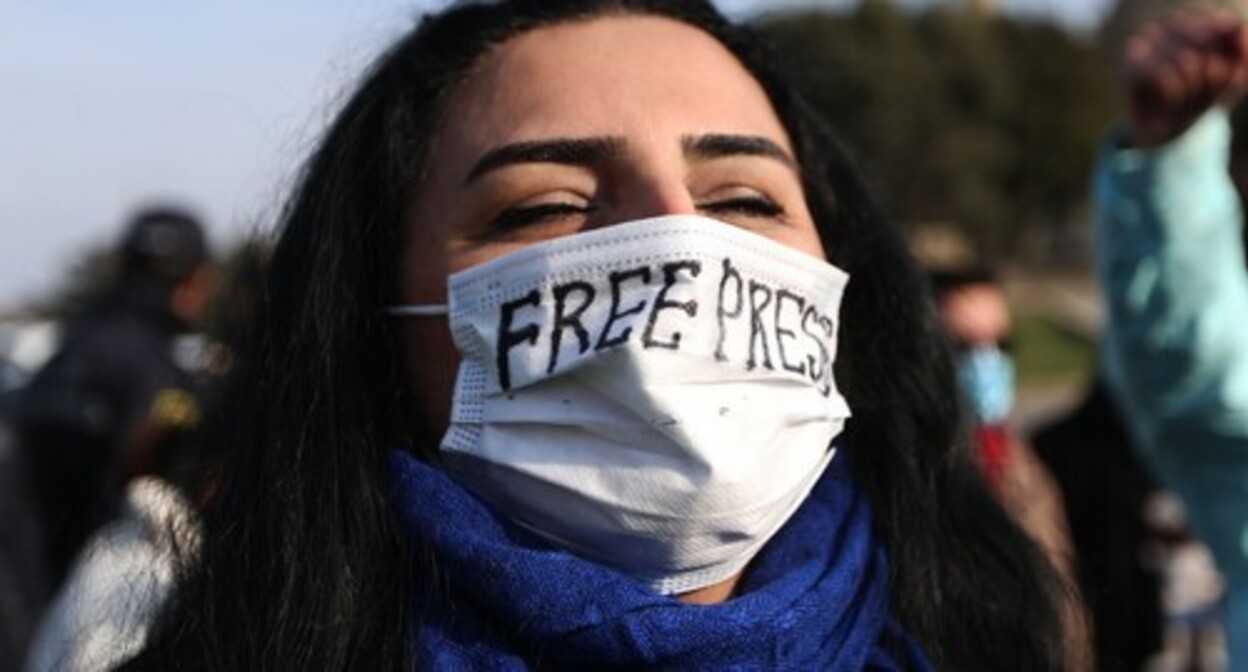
1105	488
96	411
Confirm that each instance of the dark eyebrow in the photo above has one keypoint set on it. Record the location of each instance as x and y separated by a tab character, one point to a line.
705	147
567	151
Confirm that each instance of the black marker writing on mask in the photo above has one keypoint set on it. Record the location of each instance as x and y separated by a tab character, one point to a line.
564	319
617	280
781	333
661	302
778	320
508	339
760	297
721	315
820	368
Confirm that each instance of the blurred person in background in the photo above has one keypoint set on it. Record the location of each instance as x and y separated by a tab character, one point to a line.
1171	263
23	589
101	409
1192	592
22	584
125	571
976	317
102	614
507	178
1107	492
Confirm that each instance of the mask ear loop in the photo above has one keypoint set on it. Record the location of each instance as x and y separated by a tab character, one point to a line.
416	311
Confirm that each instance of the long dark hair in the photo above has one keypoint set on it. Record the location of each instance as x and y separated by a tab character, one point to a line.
302	564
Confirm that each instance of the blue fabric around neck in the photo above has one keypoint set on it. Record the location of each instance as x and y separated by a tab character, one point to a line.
816	598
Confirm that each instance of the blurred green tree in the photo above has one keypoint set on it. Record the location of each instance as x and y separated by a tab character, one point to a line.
987	122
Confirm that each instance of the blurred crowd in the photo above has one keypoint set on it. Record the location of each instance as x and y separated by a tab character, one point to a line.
1137	493
103	452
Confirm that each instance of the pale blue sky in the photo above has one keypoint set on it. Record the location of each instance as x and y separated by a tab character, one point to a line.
214	104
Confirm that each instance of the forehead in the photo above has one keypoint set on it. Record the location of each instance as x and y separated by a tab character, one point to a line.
615	75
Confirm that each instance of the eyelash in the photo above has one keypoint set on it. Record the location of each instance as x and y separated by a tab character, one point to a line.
518	218
750	206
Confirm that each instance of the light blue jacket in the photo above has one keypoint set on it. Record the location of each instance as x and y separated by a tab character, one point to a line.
1175	350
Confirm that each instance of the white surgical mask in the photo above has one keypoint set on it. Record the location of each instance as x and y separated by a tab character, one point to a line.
656	396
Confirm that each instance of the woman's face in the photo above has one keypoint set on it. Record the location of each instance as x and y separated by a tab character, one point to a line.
583	125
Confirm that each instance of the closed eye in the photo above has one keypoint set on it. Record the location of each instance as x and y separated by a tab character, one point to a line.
521	217
750	206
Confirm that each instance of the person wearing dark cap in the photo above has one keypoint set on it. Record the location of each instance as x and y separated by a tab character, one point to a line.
102	408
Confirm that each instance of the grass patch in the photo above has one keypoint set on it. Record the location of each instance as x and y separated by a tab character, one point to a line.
1046	353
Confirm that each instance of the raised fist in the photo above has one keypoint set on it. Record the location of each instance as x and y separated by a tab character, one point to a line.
1177	68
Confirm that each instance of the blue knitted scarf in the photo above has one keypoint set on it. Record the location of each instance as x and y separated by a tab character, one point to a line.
816	598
